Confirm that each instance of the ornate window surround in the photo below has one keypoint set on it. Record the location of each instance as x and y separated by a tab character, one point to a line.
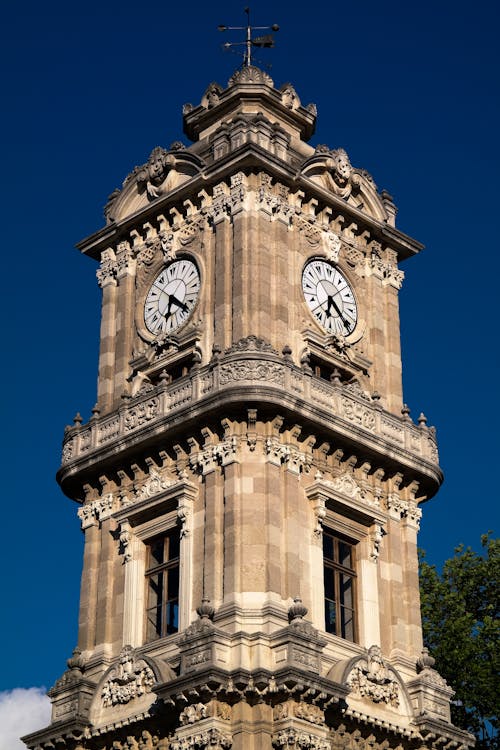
139	523
338	506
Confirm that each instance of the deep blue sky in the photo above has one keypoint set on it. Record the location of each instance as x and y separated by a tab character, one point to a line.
409	90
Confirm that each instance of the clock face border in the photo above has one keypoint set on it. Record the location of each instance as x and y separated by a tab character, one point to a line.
171	298
330	297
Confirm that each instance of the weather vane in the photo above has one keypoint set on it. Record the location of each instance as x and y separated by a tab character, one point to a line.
259	41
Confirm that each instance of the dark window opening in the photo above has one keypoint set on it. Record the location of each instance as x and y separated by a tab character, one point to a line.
340	585
162	585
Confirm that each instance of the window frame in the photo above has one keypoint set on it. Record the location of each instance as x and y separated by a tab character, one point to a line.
338	570
165	598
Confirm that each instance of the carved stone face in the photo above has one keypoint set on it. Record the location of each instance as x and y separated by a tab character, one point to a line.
156	169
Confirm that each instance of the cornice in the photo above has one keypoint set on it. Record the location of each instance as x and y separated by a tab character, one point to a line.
240	380
249	156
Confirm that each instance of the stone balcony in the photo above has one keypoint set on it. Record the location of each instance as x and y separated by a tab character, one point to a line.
252	375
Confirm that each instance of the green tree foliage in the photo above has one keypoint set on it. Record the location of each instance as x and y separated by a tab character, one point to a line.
460	618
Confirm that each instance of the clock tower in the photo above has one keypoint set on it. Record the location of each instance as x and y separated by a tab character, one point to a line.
249	483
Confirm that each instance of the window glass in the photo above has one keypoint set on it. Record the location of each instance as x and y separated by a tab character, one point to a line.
162	585
339	582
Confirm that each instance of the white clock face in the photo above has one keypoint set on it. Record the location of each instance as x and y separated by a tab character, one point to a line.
172	297
329	297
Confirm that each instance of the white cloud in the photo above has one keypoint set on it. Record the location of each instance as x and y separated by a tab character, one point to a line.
22	711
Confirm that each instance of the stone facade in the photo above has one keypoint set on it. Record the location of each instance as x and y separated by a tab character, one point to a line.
248	431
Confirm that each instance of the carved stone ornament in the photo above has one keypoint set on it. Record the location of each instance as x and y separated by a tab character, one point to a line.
218	454
275	199
425	667
376	536
357	414
152	175
250	74
193	713
346	485
96	511
251	344
304	711
406	508
332	245
371	678
125	261
211	97
131	678
294	739
251	370
108	208
340	173
153	486
106	273
289	96
142	413
211	738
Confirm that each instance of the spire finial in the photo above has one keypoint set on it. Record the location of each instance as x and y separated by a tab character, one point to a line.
259	41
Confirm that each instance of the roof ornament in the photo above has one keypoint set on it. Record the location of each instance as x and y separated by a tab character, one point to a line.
266	40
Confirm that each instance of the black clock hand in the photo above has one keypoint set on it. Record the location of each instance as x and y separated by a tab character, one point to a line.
331	301
177	302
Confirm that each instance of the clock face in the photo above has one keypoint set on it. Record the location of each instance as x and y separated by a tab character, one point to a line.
329	297
172	297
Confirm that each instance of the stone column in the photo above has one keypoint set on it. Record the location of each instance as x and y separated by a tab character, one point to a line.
411	588
89	582
222	268
213	548
105	593
107	281
392	284
125	311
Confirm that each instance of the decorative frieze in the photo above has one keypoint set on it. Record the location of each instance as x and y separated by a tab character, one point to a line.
357	413
305	711
251	370
196	712
141	413
211	738
295	739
